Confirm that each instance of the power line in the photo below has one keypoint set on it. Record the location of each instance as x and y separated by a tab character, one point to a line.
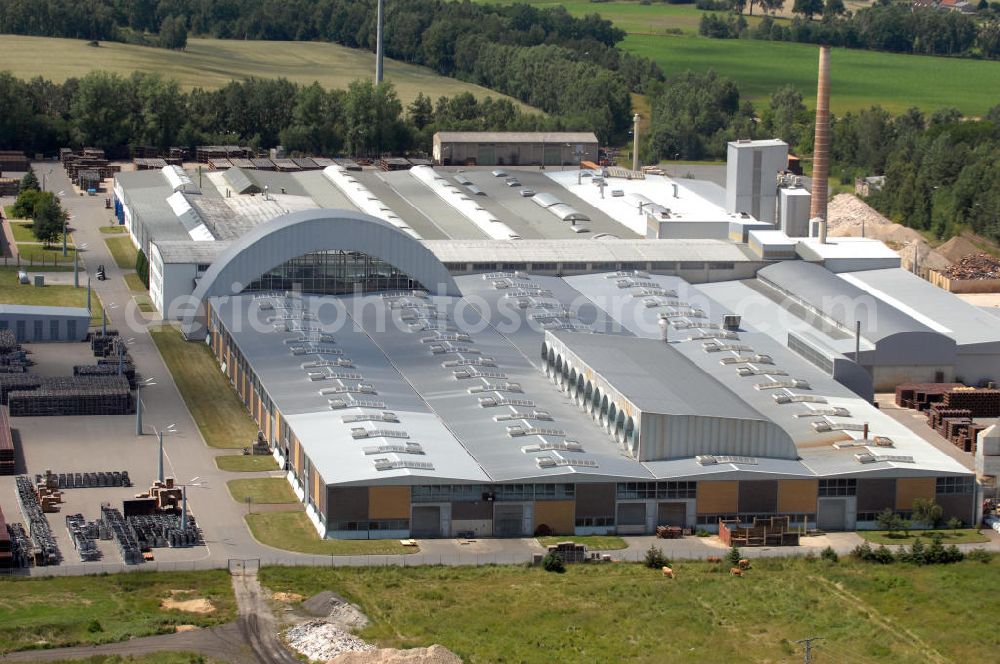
808	645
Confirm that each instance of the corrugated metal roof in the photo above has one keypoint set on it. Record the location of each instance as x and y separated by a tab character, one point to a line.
515	137
612	249
37	310
839	300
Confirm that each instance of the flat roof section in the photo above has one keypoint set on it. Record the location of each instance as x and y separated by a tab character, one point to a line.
655	376
602	250
422	209
529	220
516	137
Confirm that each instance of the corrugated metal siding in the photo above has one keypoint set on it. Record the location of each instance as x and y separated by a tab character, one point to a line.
797	496
908	489
718	497
389	502
347	503
559	515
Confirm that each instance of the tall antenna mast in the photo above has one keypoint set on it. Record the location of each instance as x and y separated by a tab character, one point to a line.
379	51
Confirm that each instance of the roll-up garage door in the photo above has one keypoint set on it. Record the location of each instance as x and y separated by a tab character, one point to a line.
426	521
832	514
486	155
672	514
632	514
508	520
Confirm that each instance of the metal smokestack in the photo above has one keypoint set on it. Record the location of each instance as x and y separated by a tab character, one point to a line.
635	144
379	51
821	147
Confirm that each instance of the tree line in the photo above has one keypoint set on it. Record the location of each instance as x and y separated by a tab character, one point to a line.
504	47
114	112
885	26
942	170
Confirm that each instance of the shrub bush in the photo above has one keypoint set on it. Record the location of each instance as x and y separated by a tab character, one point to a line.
979	555
655	558
829	554
734	556
553	562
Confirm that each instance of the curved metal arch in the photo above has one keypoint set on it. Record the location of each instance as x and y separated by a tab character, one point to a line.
289	236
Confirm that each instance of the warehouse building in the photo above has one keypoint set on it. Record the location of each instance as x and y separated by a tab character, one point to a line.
506	148
32	323
507	404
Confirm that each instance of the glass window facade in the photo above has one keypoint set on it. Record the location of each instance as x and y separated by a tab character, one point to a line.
656	490
838	487
961	486
334	273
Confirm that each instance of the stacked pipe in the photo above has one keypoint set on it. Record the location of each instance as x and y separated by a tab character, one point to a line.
45	551
982	402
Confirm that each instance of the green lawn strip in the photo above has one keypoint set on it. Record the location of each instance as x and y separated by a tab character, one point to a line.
113	230
240	463
144	305
588	614
23	232
13	292
122	250
960	536
51	612
210	398
134	282
262	490
593	542
292	531
40	255
859	78
8	212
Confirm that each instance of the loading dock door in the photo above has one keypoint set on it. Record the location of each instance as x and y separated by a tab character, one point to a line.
486	155
508	520
552	155
426	522
672	514
632	514
832	515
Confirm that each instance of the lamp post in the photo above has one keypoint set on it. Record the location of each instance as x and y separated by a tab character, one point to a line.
104	317
184	501
138	403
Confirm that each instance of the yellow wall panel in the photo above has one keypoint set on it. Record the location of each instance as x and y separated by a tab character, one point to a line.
389	502
797	496
718	497
559	515
297	456
908	489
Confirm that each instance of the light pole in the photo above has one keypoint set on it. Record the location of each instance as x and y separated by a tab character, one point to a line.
138	403
104	317
184	499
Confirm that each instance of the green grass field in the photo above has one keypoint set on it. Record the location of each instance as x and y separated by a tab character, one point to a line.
210	398
155	658
630	16
627	613
858	78
52	612
262	490
593	542
12	292
123	251
292	531
960	536
211	63
113	230
239	463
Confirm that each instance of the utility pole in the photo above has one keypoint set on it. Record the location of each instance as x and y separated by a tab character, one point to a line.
379	50
808	646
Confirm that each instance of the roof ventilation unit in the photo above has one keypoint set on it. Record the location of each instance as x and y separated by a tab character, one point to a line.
496	387
560	446
773	385
400	464
384	416
868	457
493	402
342	403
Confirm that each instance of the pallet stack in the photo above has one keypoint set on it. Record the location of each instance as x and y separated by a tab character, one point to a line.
982	402
6	545
920	396
7	462
956	425
78	395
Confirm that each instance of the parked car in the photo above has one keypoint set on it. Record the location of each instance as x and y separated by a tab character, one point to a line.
527	193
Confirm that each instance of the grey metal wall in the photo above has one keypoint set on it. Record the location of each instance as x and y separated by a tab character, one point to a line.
45	327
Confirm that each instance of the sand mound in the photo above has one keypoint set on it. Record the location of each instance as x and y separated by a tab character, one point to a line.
200	605
434	655
185	628
957	248
287	597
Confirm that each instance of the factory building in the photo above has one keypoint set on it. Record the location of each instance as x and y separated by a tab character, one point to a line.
507	404
505	148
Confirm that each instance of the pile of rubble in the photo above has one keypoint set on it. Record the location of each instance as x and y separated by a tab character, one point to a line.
319	640
975	266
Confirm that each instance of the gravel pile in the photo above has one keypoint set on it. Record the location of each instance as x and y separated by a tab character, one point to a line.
434	655
320	641
335	609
